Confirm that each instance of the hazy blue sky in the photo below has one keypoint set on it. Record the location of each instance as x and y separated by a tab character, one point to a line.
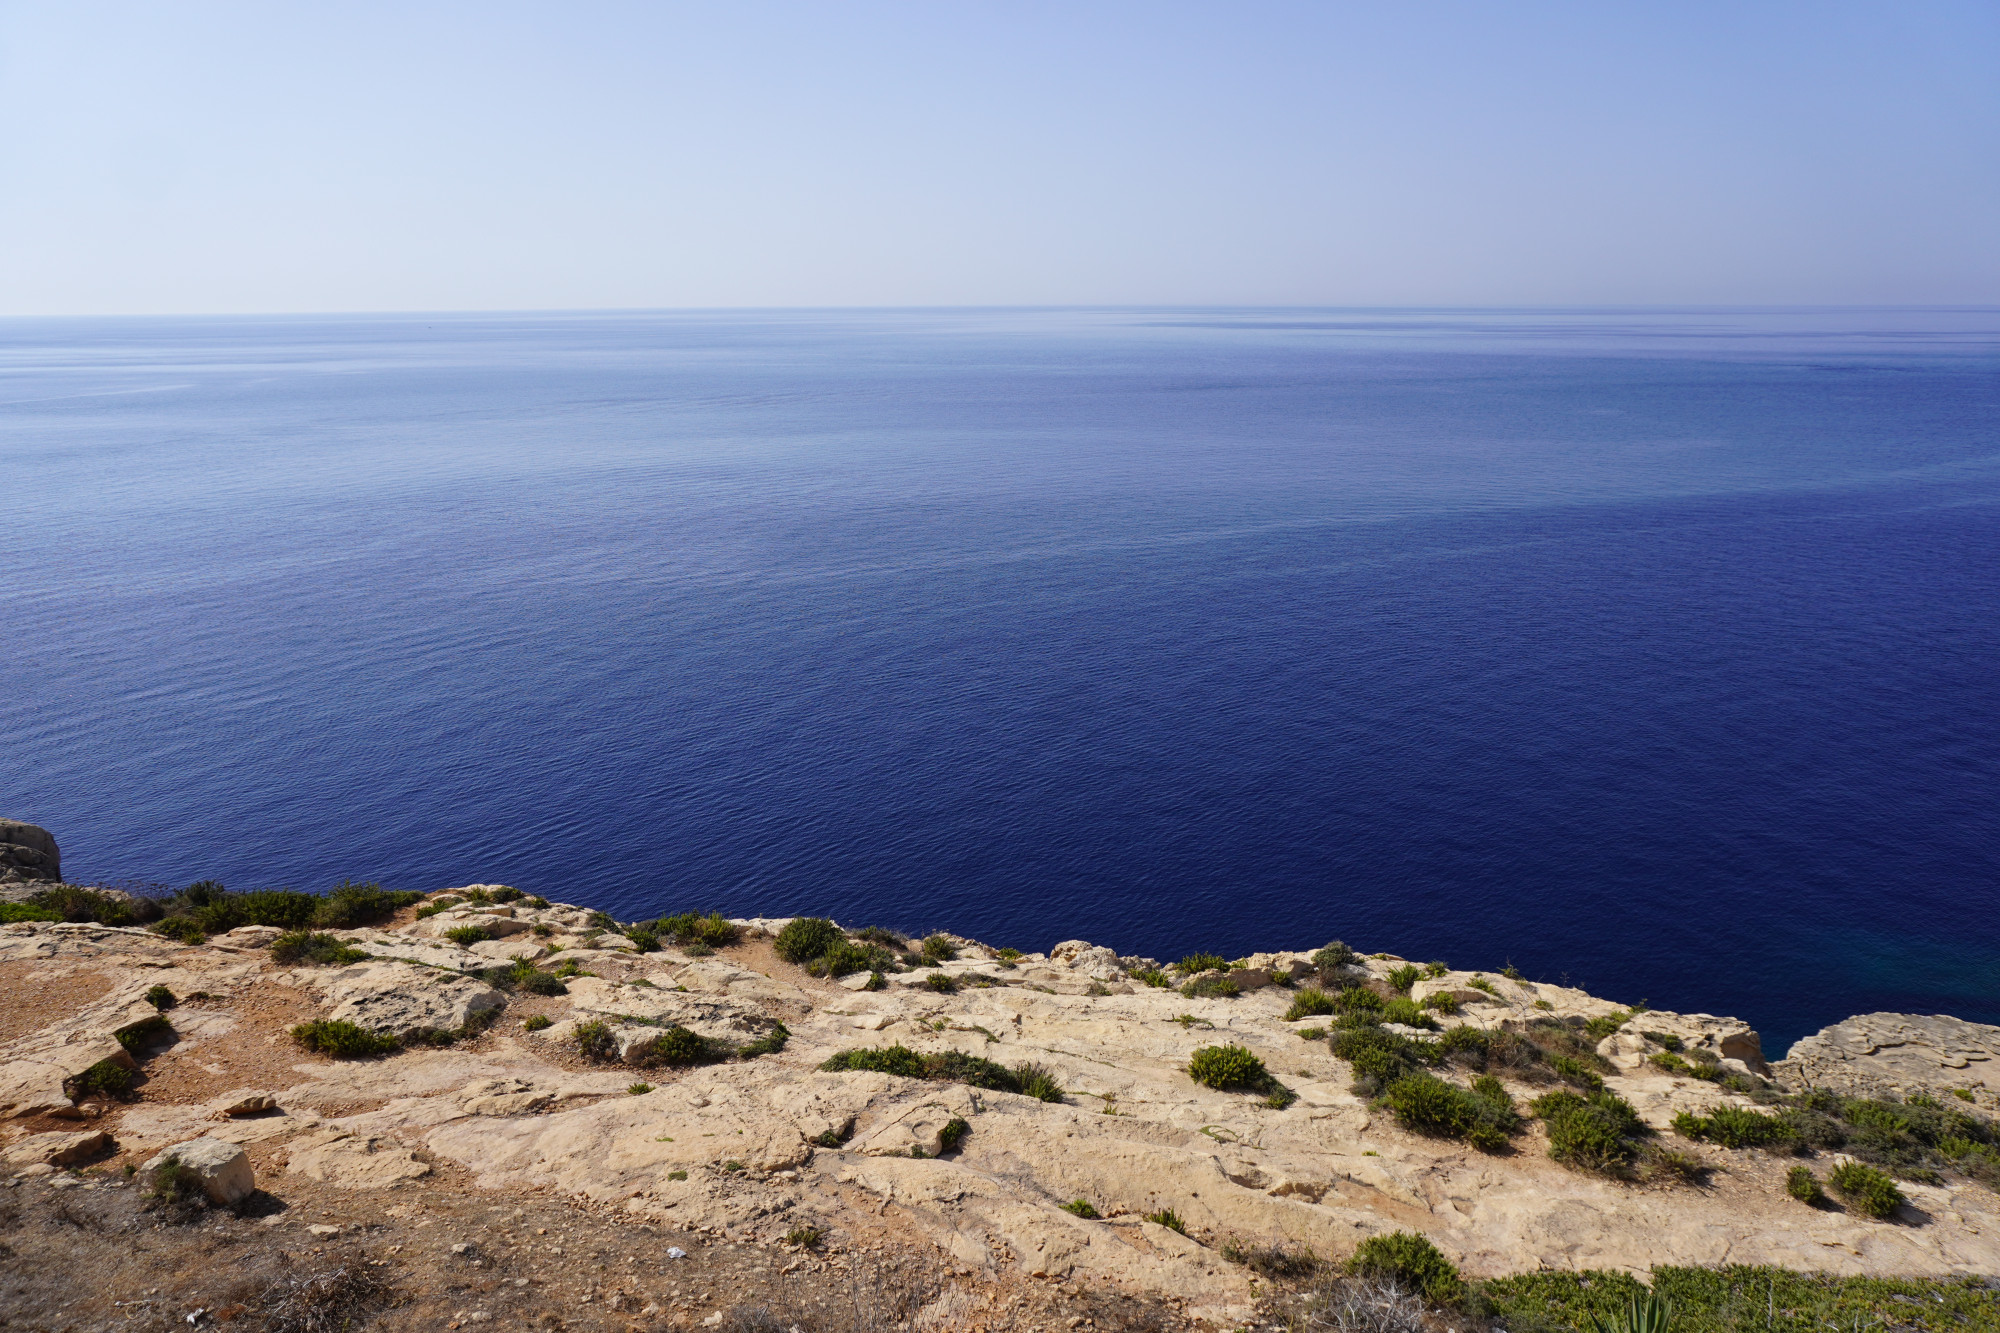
271	156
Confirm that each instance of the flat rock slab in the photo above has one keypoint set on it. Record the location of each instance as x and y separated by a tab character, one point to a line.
403	998
1898	1053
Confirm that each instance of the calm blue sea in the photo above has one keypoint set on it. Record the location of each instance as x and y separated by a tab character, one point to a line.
1658	651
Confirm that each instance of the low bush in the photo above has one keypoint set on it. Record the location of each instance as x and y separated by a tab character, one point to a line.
1482	984
70	902
769	1044
1202	962
1080	1208
1597	1029
305	946
1427	1104
1227	1067
1309	1002
805	938
939	949
948	1067
178	1185
468	935
1666	1040
1743	1299
1408	1013
712	929
1443	1002
342	1040
1212	988
1154	977
1411	1262
1735	1127
1803	1185
1597	1133
1432	971
953	1134
106	1078
643	938
536	1023
1036	1081
11	912
677	1046
349	905
1169	1219
806	1238
1865	1189
1576	1073
1272	1261
594	1040
846	956
1380	1058
1404	977
942	982
1334	955
160	997
136	1037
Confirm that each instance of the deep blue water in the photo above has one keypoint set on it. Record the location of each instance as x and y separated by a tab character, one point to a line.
1657	651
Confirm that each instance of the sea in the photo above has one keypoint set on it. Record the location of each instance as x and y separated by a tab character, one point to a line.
1654	651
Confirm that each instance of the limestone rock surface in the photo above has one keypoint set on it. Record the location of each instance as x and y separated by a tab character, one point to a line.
28	854
223	1168
1901	1053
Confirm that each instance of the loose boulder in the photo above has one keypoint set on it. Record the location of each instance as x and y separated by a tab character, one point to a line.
223	1169
28	854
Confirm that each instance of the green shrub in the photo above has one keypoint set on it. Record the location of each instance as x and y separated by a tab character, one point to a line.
1408	1013
940	1067
1745	1299
1429	1105
1169	1219
806	1238
1036	1081
805	938
942	982
1596	1133
1576	1073
845	957
643	939
342	1040
467	936
712	929
1404	977
1009	955
953	1134
536	1023
537	982
1735	1127
1333	956
594	1040
1202	962
1667	1040
1600	1028
939	949
1211	988
677	1046
137	1036
11	912
349	905
1358	999
1309	1002
72	903
1443	1001
1380	1058
1867	1190
1432	971
305	946
1803	1185
638	1089
1227	1067
160	997
106	1078
1644	1312
769	1044
284	908
1081	1208
1493	1090
1481	983
1154	977
1412	1262
1312	1034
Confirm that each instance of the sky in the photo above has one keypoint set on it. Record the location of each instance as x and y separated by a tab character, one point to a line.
270	156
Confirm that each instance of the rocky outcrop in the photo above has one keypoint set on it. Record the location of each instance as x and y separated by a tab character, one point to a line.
28	854
404	998
1897	1053
220	1169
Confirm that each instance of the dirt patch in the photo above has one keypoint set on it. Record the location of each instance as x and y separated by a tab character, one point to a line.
249	1048
38	995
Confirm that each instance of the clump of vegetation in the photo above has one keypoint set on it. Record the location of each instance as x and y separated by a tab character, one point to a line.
1803	1185
953	1134
536	1023
1432	971
948	1067
521	974
1309	1002
306	946
1272	1261
1866	1189
1480	983
1443	1002
643	938
939	949
1202	962
135	1037
769	1044
1212	988
1408	1013
1081	1208
677	1046
1425	1103
349	904
1667	1040
1603	1026
1154	977
342	1040
638	1089
1334	955
805	938
160	997
1234	1068
1411	1262
806	1238
1914	1137
1312	1034
594	1040
177	1185
1740	1298
1599	1133
712	929
942	982
1008	956
1735	1127
106	1078
1575	1072
12	912
1404	977
1169	1219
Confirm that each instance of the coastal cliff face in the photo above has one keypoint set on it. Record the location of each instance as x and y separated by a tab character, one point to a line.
28	854
500	1092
